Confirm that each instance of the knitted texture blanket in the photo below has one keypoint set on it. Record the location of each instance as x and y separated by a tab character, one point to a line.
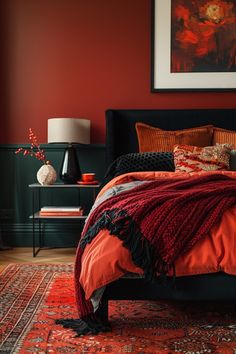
158	221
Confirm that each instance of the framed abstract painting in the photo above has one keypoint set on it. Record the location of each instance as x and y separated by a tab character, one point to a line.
193	45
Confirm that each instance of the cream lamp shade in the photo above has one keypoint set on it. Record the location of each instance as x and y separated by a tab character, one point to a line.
68	130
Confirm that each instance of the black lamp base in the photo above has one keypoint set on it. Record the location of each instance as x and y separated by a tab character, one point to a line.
70	170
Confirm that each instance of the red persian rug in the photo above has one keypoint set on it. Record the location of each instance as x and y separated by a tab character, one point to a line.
32	296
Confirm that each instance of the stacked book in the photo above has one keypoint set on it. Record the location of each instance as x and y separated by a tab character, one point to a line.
61	211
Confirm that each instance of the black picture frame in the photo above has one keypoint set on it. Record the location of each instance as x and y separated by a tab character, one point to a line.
162	79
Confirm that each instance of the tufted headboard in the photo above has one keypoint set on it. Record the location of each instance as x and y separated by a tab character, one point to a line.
120	124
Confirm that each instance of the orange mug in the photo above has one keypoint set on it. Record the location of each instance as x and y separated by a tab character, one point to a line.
88	177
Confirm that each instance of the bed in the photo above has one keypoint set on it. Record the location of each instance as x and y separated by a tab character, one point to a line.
120	126
121	139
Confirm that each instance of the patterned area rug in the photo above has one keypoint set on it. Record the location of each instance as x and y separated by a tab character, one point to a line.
32	296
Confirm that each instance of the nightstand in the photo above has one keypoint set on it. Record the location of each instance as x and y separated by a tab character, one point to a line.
36	190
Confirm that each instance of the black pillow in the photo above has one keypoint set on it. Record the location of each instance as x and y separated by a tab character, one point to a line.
135	162
232	161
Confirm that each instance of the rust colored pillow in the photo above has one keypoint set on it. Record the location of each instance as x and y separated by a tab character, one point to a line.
224	136
194	159
155	139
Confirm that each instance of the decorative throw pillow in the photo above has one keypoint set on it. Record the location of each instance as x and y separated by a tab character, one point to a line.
193	158
149	161
155	139
224	136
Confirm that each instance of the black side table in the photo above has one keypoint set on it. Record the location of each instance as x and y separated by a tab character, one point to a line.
36	190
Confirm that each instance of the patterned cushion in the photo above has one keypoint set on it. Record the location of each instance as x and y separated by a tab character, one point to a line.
155	139
149	161
192	158
224	136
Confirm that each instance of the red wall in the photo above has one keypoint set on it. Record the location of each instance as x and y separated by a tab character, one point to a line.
76	58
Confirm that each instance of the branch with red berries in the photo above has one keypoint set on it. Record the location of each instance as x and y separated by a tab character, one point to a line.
34	150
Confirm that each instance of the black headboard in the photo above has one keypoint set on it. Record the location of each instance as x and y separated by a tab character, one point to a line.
120	124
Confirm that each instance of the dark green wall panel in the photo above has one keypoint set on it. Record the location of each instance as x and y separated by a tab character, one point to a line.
18	171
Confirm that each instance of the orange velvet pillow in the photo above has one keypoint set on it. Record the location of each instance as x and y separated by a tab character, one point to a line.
155	139
224	136
189	158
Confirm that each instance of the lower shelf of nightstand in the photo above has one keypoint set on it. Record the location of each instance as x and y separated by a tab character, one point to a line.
38	216
38	219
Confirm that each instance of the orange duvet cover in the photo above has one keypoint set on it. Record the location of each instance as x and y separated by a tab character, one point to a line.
105	259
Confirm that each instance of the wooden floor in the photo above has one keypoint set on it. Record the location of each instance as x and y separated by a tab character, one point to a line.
24	255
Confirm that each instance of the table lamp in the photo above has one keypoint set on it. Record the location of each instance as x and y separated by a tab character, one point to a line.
71	131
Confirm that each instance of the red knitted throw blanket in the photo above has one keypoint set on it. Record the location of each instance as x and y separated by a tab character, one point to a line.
158	221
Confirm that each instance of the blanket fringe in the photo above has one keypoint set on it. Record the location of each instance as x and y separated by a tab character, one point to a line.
121	225
90	324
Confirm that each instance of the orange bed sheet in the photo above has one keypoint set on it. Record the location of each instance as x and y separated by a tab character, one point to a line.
105	259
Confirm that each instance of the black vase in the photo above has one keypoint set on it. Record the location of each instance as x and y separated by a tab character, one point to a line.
70	170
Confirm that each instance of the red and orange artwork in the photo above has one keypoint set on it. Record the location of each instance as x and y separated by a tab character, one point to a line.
203	36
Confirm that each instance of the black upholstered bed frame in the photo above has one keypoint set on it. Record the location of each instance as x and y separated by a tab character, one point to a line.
121	139
120	124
